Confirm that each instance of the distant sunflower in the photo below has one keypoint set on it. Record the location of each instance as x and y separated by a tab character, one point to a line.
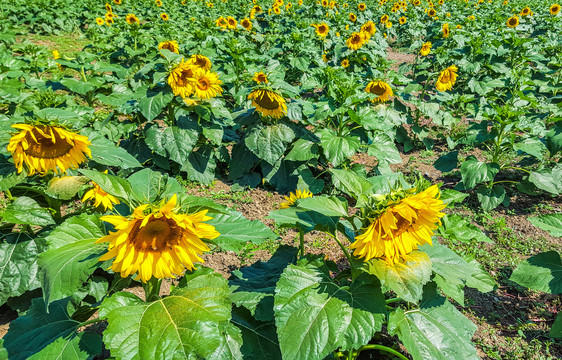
355	41
431	12
118	2
171	45
276	10
260	78
384	19
554	9
290	200
388	24
108	8
157	242
158	3
164	17
513	21
447	78
322	29
100	197
401	227
526	11
246	24
426	49
56	54
201	61
221	21
352	17
207	85
44	148
182	79
368	29
361	6
445	30
345	63
380	89
231	22
100	21
268	102
131	18
402	20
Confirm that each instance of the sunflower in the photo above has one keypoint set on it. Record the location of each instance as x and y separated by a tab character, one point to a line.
169	45
526	11
100	197
355	41
322	29
210	5
554	9
201	61
231	22
325	3
268	102
131	18
246	24
513	21
156	241
379	88
109	21
368	29
402	20
164	17
445	30
118	2
384	19
100	21
43	148
447	78
471	18
221	21
260	78
158	3
388	24
290	200
108	8
352	17
207	85
431	12
182	79
362	7
401	227
345	63
426	49
276	10
258	8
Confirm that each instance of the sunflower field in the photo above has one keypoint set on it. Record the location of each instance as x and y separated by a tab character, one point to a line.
274	179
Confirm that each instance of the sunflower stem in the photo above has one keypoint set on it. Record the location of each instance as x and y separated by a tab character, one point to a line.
382	348
152	289
301	243
347	255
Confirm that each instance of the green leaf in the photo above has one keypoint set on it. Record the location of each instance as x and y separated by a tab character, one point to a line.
148	185
554	139
548	181
25	210
480	279
474	172
384	149
531	146
237	231
350	183
329	206
406	279
259	339
193	322
490	198
556	331
455	227
550	222
18	264
450	196
49	335
303	150
338	148
111	184
201	165
65	187
72	256
77	86
293	217
314	316
541	272
269	143
447	162
173	142
436	330
152	104
105	152
8	174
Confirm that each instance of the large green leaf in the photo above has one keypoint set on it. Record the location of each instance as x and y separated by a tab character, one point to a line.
18	264
350	183
201	165
315	316
548	180
148	185
338	148
554	138
447	162
556	331
259	339
455	227
303	150
541	272
327	205
306	220
173	142
384	149
193	322
25	210
550	222
474	172
269	143
491	198
406	279
237	231
436	330
72	256
152	104
50	335
111	184
105	152
480	279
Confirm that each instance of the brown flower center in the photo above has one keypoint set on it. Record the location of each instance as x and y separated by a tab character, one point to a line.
203	84
446	77
156	236
377	90
267	101
46	147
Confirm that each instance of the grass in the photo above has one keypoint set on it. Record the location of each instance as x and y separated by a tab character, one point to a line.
67	44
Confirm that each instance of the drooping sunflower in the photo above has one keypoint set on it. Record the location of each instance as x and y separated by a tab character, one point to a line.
100	21
352	17
425	49
131	18
231	22
526	11
384	19
368	29
268	102
207	85
182	79
290	200
170	45
445	30
402	20
355	40
164	17
345	63
44	148
157	242
447	78
322	29
401	227
201	61
380	89
100	197
513	22
361	6
246	24
554	9
260	78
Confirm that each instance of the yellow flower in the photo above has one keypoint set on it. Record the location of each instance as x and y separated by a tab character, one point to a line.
56	54
276	10
345	63
157	242
471	17
445	30
338	34
512	22
389	24
246	24
401	228
290	200
402	20
447	78
322	29
100	197
221	21
352	17
169	45
554	9
210	5
362	7
118	2
100	21
368	29
356	40
384	19
201	61
268	103
231	22
164	17
458	26
182	79
260	78
526	11
379	88
131	18
431	12
108	8
158	3
207	85
44	148
426	49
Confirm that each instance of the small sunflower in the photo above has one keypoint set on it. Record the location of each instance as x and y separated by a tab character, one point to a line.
276	10
268	102
182	79
368	29
100	197
384	19
431	12
361	6
447	78
388	24
56	54
158	3
201	61
401	227
402	20
426	49
108	8
231	22
526	11
131	18
246	24
221	21
44	148
322	29
513	22
207	85
352	17
355	40
554	9
260	78
171	45
164	17
380	89
118	2
100	21
445	30
290	200
157	242
345	63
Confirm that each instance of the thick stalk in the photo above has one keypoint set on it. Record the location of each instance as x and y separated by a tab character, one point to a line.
382	348
301	243
152	289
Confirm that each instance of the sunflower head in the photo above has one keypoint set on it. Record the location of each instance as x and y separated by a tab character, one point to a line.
207	85
554	9
431	12
201	61
246	24
171	45
513	22
100	21
402	20
157	241
426	49
100	197
384	19
322	29
447	78
182	79
345	63
268	102
356	40
231	22
445	30
45	148
526	11
132	19
164	17
260	78
56	54
397	223
290	200
108	8
380	89
369	28
352	17
158	3
118	2
361	6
